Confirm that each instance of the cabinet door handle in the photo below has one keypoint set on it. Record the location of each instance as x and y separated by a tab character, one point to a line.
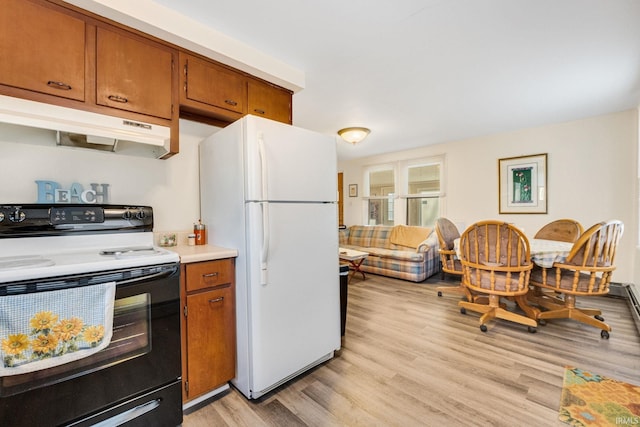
230	102
219	299
116	98
210	275
257	110
58	85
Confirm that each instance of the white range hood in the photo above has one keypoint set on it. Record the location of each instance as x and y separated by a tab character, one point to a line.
85	129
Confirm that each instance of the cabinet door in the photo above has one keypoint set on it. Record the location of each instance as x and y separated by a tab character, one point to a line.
213	85
42	50
211	346
269	101
133	75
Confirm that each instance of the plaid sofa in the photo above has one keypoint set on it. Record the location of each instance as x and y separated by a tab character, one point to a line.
388	259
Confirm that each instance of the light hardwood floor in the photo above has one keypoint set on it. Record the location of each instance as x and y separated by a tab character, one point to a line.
410	358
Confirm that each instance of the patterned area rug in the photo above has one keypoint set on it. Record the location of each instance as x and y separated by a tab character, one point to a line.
594	400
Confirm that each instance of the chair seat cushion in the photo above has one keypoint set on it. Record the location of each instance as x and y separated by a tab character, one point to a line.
567	278
481	280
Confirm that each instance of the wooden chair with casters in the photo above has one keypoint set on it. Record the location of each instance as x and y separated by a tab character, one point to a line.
447	232
563	230
496	261
586	272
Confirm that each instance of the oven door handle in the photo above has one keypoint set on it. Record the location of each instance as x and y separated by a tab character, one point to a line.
149	276
131	414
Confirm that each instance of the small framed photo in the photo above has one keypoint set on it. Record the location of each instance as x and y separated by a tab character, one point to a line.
353	190
522	184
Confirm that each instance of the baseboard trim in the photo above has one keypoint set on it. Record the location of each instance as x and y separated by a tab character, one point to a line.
618	289
630	292
195	404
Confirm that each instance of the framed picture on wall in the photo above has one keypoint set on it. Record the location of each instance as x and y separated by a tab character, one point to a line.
353	190
522	184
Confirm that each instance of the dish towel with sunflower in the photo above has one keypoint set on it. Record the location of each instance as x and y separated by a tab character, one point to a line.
44	329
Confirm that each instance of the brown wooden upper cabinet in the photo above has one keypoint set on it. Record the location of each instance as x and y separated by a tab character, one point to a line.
42	50
212	90
60	54
209	88
269	101
133	74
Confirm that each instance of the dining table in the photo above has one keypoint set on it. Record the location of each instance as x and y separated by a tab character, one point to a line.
544	253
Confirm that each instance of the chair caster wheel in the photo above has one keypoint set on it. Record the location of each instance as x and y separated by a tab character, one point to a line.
604	334
598	317
542	322
439	293
483	328
531	329
463	310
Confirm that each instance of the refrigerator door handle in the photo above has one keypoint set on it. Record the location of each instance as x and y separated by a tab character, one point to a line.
265	209
265	243
263	167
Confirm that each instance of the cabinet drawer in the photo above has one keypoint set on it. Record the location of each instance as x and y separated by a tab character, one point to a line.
201	275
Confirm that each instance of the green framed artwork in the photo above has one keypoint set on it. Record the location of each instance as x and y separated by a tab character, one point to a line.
522	184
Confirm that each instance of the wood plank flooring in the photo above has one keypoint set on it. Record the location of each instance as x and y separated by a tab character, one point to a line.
410	358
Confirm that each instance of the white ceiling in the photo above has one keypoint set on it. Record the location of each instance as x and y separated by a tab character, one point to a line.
420	72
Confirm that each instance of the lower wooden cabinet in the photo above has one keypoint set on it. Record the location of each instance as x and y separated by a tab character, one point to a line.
208	330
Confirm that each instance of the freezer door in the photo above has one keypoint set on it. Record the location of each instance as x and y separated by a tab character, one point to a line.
286	163
295	299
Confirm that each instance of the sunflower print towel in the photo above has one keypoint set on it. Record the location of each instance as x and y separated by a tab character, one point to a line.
45	329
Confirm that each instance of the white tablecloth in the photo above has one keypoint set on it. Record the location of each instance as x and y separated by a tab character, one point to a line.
543	252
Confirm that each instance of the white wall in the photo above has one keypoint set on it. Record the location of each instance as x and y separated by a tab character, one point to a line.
591	176
169	186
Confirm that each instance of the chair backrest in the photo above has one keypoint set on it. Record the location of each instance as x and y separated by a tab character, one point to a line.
590	264
496	258
447	232
563	230
596	247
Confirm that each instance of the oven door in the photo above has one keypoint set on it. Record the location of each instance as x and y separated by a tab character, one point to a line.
136	378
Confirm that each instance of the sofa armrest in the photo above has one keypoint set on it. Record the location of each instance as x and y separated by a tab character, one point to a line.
343	236
430	242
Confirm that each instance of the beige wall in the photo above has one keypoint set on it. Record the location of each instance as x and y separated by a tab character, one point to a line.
592	176
169	186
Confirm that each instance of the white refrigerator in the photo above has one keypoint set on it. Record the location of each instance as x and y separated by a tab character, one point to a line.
270	190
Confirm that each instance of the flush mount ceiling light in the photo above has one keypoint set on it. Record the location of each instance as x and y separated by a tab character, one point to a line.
353	134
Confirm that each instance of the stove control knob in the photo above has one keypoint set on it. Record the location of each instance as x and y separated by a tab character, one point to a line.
1	216
141	214
127	215
17	216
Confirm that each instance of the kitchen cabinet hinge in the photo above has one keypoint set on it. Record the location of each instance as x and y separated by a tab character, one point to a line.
186	386
185	311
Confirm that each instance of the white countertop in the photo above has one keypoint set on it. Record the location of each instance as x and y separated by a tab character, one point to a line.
202	253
